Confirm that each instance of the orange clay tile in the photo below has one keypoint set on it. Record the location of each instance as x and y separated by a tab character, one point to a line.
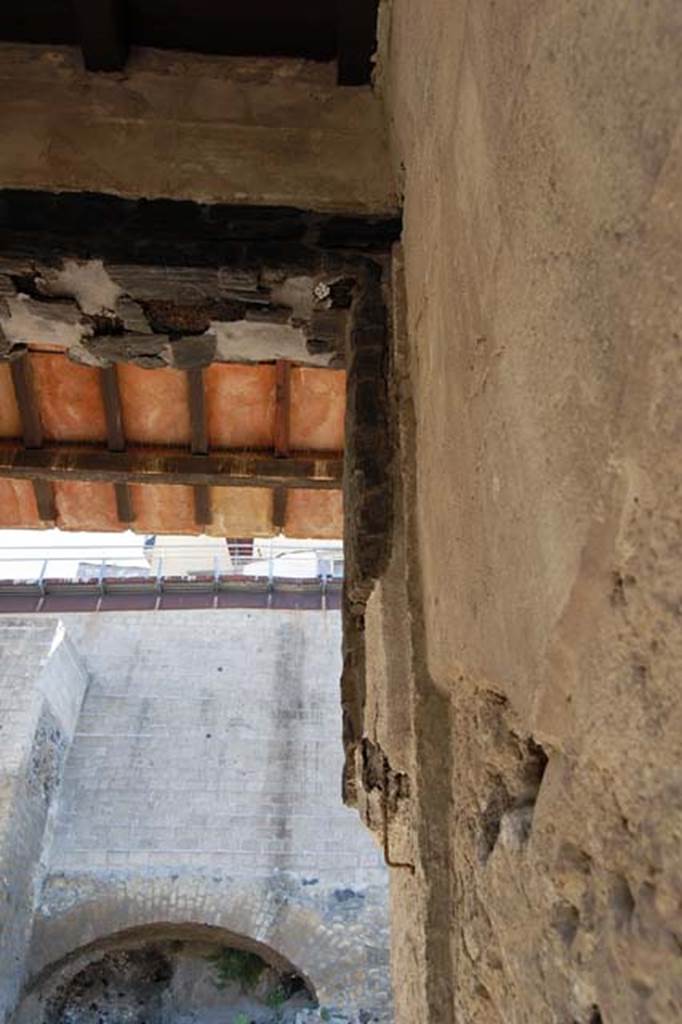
154	405
86	506
241	512
314	514
163	508
69	399
18	505
318	407
240	405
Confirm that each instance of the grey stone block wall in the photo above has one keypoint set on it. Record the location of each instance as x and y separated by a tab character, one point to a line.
203	787
41	688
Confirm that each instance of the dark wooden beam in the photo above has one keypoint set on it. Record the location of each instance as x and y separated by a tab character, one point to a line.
22	378
203	514
112	409
282	407
102	32
197	411
45	500
124	504
116	437
171	466
32	429
357	40
279	508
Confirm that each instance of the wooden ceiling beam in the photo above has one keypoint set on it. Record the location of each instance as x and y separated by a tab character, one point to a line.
102	31
45	500
282	407
22	379
32	430
112	409
197	411
116	438
279	508
203	512
171	466
357	40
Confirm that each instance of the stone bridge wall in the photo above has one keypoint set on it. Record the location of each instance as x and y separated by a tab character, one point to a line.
41	688
203	788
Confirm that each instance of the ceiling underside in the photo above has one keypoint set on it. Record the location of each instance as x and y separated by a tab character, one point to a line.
249	431
320	30
121	403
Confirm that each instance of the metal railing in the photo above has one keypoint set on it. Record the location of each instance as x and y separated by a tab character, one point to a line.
265	567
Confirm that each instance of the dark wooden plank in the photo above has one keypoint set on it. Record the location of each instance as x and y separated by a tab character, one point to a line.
171	466
197	411
116	438
297	28
124	504
22	378
282	407
45	500
112	408
279	508
102	32
357	40
203	512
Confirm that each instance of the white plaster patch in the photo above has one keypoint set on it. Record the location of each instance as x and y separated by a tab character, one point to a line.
250	341
87	282
297	293
29	324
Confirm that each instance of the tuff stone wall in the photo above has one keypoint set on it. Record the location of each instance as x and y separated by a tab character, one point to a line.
203	789
41	688
529	686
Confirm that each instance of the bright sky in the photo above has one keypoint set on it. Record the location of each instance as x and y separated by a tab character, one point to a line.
23	553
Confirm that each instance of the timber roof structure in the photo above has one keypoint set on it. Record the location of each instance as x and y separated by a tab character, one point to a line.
177	368
321	30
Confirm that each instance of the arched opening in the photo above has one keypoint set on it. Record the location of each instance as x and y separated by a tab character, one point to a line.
169	974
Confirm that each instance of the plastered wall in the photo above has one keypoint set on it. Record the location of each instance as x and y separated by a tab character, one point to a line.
537	374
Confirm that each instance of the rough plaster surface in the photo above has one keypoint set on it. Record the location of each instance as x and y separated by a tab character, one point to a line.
540	147
156	316
202	789
192	127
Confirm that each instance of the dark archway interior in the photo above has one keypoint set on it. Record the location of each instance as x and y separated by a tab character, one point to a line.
158	975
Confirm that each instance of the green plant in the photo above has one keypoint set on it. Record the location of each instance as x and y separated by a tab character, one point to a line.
241	1018
325	1014
276	999
236	965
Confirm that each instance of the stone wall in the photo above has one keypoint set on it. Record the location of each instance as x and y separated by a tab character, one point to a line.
203	789
529	686
41	688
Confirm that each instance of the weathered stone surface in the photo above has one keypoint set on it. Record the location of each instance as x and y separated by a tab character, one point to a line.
540	515
200	804
41	689
184	126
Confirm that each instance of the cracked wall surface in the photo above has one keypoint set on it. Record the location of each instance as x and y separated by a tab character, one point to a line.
521	644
